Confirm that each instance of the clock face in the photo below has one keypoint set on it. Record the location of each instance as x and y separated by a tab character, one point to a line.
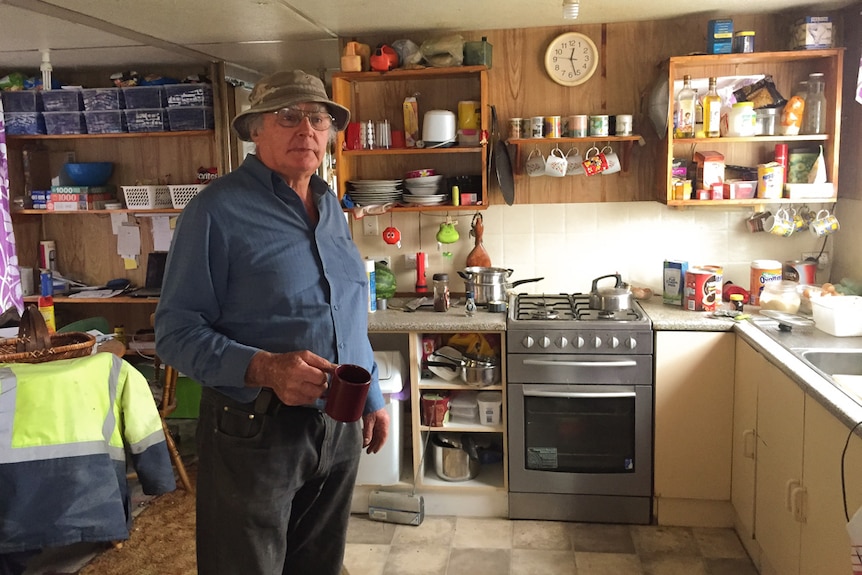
571	59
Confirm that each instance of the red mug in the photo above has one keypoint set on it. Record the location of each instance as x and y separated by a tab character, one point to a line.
348	388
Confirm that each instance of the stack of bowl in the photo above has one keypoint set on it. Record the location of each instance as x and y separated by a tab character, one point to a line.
423	189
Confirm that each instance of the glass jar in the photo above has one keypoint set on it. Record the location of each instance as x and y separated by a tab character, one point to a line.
781	296
441	292
814	115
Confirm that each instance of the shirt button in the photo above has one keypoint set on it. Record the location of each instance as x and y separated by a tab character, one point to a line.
335	307
340	346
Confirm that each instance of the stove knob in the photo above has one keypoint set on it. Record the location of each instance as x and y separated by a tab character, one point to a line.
579	342
527	342
631	343
562	342
545	342
597	342
613	342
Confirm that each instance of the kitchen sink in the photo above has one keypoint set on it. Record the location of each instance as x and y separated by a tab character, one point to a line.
842	366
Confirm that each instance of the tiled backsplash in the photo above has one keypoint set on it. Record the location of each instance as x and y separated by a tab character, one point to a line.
571	244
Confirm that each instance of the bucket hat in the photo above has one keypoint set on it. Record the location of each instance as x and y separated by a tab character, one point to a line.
284	89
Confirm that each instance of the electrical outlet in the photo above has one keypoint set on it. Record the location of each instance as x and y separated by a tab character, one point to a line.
369	226
410	261
822	259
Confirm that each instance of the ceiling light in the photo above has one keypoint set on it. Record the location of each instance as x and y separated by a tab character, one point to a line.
571	9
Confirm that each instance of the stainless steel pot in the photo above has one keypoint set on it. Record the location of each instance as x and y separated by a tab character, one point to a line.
614	298
475	370
452	460
490	284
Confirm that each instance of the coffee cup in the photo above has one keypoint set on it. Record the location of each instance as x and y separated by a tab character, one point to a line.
756	222
556	164
576	126
824	224
624	125
535	164
799	222
595	163
612	159
573	161
780	224
348	389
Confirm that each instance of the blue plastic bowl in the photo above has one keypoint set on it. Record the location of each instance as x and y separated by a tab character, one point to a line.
90	173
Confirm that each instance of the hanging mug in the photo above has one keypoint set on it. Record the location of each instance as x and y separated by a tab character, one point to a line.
823	224
613	160
573	161
535	164
595	164
556	164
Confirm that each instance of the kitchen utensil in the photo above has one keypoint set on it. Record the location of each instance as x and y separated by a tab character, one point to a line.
478	256
475	370
451	360
438	128
89	173
452	462
502	162
614	298
489	284
348	389
787	321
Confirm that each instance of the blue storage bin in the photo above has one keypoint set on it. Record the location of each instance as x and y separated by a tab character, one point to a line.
105	121
144	97
184	95
61	123
146	120
190	118
21	101
24	123
62	101
98	99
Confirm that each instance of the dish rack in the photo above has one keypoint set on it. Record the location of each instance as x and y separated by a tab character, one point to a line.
182	195
147	197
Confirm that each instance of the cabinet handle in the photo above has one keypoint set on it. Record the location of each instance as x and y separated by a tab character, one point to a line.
789	488
748	443
797	497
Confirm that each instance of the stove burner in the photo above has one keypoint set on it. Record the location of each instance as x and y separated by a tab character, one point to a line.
544	312
568	307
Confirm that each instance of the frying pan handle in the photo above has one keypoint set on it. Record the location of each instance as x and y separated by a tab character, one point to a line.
519	282
451	366
619	283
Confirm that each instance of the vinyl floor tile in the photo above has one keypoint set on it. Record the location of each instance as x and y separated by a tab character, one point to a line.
542	562
482	533
541	535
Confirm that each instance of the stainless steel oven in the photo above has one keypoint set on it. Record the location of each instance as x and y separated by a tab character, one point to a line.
580	404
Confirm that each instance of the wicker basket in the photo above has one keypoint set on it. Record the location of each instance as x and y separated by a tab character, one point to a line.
182	195
35	345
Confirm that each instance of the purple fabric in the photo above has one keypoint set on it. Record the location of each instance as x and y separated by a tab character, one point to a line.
10	287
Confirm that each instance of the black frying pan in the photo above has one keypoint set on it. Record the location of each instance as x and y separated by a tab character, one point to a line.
498	156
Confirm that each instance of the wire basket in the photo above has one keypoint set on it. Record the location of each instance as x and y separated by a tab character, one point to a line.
35	345
147	197
182	195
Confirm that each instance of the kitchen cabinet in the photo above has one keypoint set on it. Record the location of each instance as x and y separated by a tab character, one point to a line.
373	96
492	476
787	70
693	431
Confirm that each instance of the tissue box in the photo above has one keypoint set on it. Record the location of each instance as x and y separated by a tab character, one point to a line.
812	33
840	316
710	169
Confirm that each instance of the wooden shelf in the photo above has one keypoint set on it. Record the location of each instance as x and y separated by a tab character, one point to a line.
625	147
186	134
415	151
753	139
755	202
117	299
90	212
412	74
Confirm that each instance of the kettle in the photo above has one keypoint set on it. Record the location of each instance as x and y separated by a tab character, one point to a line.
384	58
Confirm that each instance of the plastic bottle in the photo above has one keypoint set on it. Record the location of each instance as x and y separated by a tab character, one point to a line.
470	305
814	115
372	285
441	292
686	109
46	301
712	111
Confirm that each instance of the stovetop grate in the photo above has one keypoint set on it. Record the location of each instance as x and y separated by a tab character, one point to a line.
567	307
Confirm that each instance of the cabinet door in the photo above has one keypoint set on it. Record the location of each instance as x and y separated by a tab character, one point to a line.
693	414
780	412
751	367
825	548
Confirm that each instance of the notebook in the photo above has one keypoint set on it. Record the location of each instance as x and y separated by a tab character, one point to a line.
155	274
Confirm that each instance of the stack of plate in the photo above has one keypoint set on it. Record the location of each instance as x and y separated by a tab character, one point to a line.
424	190
367	192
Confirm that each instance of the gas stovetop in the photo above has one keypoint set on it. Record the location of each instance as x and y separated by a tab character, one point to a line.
548	310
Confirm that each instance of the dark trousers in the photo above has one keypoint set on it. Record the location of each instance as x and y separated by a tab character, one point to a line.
273	488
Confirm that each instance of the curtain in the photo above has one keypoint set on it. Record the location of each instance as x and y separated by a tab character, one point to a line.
10	286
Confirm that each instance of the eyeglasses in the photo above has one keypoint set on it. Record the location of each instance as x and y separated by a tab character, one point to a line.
291	118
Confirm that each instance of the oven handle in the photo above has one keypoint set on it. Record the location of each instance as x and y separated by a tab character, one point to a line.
575	395
627	363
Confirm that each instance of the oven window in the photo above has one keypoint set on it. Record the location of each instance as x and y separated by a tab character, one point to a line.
580	435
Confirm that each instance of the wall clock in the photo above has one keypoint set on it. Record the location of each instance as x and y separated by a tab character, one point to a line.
571	59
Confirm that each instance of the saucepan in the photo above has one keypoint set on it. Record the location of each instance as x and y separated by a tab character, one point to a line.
475	370
618	297
490	284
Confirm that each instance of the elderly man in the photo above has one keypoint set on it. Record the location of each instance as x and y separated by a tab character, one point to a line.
264	294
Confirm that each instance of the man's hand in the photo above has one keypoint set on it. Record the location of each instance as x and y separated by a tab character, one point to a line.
375	430
297	378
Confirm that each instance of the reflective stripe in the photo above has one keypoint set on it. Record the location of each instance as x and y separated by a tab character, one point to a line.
8	395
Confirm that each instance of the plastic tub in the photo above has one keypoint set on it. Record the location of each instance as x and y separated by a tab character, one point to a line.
190	118
142	97
62	101
105	122
840	316
100	99
490	407
146	119
61	123
24	123
21	101
184	95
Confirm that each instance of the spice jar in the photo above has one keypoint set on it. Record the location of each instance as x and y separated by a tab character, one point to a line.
441	292
736	300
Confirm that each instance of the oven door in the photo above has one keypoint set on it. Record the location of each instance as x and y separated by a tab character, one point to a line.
580	439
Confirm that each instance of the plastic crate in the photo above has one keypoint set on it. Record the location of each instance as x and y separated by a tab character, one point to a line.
105	122
24	123
98	99
61	123
182	195
191	118
146	120
138	97
62	101
147	197
184	95
21	101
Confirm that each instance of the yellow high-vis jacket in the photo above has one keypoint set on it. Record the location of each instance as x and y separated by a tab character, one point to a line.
65	427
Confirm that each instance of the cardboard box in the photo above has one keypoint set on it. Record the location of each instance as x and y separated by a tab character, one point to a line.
812	33
719	36
673	281
710	169
740	189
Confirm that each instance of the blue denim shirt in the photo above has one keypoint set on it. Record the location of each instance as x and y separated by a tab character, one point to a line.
248	271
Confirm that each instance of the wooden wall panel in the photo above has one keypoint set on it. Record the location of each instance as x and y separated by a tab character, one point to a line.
850	185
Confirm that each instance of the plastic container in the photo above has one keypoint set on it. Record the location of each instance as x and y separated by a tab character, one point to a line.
62	101
182	195
441	292
490	407
100	99
780	296
147	197
190	118
743	42
21	101
763	272
146	120
742	120
766	121
105	122
24	123
141	97
184	95
840	316
464	408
